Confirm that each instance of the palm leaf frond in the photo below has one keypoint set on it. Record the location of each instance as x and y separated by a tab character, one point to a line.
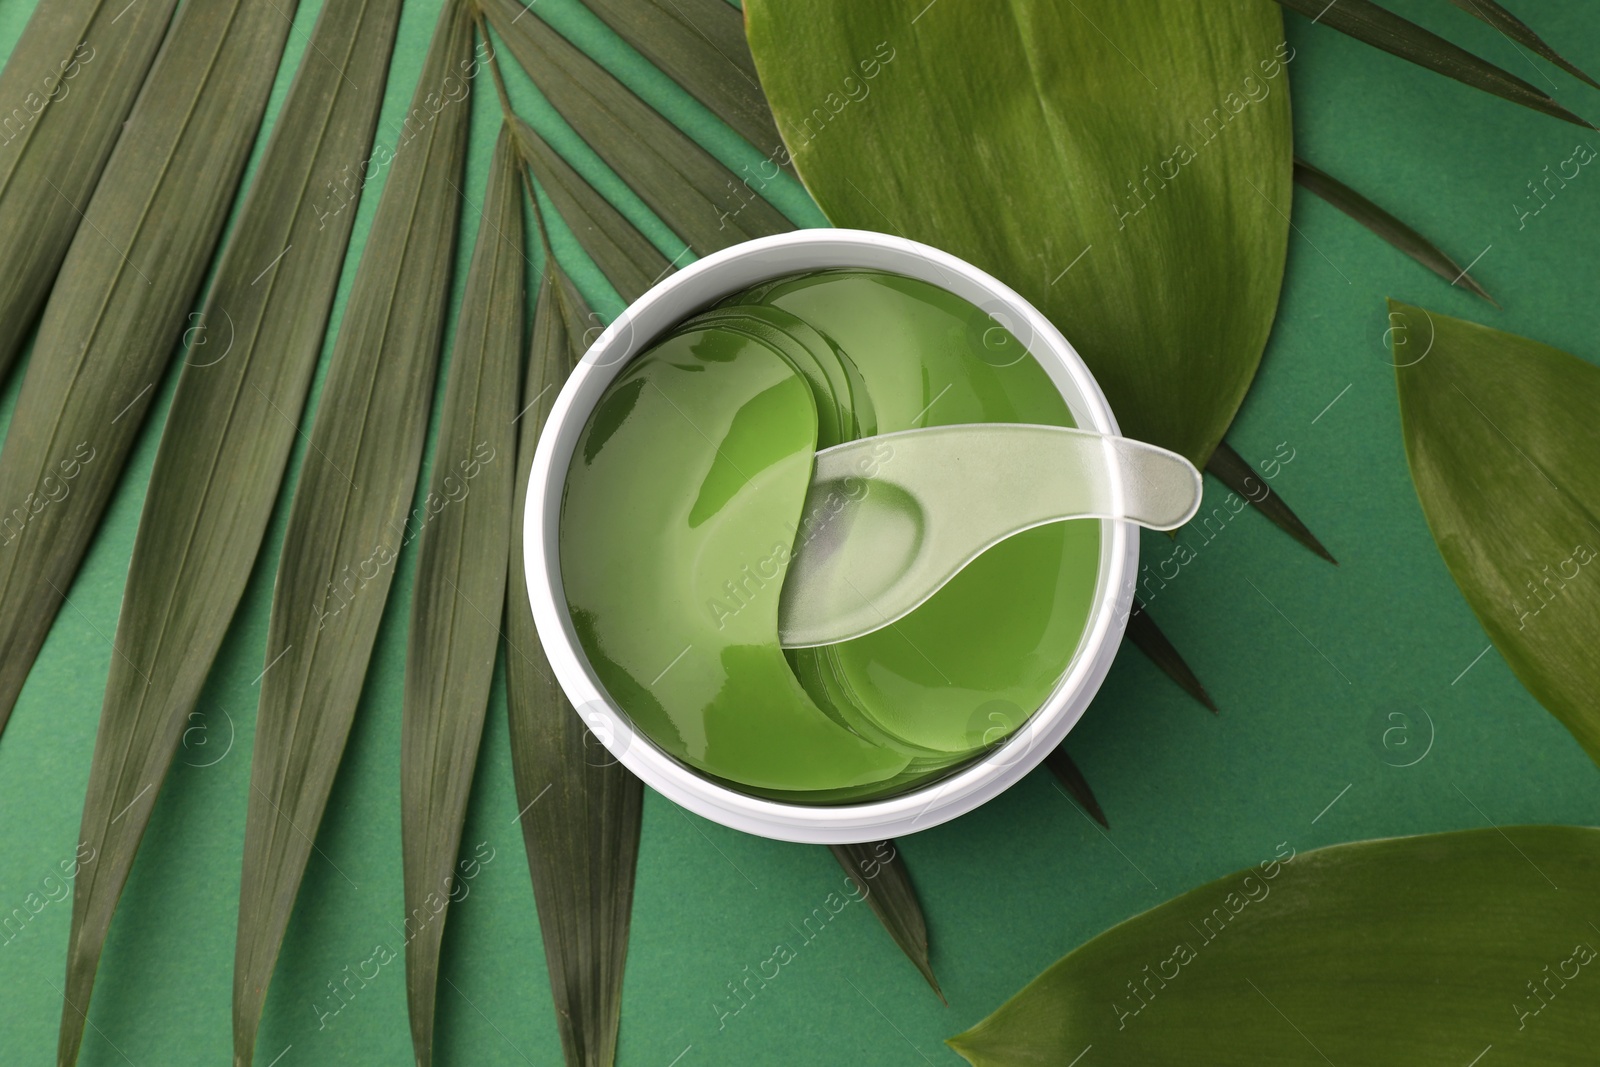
688	188
348	518
624	255
118	306
581	809
222	456
700	45
54	143
460	583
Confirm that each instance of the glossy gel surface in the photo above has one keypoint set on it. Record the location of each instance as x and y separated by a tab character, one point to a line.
684	499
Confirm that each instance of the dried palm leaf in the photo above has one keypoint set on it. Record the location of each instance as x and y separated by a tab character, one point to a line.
348	519
222	456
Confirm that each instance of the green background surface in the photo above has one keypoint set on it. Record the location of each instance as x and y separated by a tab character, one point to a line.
1307	662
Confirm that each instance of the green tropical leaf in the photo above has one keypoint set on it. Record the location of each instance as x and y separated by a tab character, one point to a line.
1137	192
1075	784
461	583
1392	953
118	305
222	456
348	518
580	808
879	870
1148	638
1381	28
624	255
699	199
1519	32
1501	436
700	45
53	144
1386	226
1240	476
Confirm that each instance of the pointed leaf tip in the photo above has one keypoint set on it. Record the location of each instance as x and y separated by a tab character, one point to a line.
1306	954
1068	774
1500	436
1386	226
1377	26
1236	472
1515	29
1148	638
880	870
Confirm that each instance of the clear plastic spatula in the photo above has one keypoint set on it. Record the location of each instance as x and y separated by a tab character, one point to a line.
889	520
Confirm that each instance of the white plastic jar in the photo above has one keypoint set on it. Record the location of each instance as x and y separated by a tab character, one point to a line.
694	289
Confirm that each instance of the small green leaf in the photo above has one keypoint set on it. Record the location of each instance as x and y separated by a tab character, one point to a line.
699	199
1393	953
580	808
1125	167
700	45
222	456
878	868
90	57
348	518
1075	784
118	305
1501	436
1148	638
460	583
624	255
1237	473
1381	28
1386	226
1518	31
